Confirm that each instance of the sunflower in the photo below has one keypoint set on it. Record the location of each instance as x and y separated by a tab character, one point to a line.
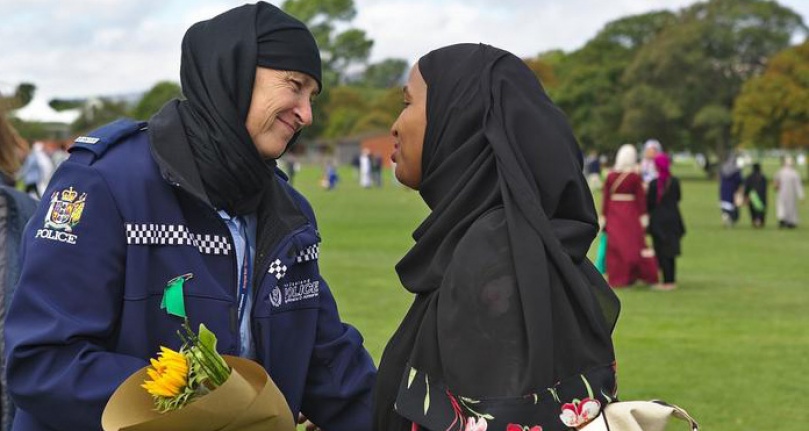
168	373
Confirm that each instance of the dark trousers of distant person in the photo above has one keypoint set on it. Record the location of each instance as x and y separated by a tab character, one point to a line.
667	265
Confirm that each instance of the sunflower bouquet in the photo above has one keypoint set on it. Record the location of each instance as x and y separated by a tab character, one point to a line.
177	378
196	388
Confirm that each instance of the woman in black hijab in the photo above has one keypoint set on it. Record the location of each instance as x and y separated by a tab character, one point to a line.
510	327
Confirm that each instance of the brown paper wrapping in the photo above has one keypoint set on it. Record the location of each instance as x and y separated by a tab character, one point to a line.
247	401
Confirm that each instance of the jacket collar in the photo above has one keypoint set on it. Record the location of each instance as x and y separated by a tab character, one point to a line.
172	153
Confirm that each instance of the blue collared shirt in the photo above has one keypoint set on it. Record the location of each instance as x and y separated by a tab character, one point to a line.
243	231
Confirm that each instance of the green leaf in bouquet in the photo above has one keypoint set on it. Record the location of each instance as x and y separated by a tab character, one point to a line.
207	340
211	368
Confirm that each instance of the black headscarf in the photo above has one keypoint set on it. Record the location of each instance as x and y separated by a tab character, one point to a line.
506	304
219	60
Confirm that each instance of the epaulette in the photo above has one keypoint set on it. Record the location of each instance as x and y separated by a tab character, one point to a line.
100	140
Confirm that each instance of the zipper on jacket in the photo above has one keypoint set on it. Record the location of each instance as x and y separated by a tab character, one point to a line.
265	258
259	280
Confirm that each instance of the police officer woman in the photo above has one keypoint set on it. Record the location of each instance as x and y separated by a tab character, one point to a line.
192	193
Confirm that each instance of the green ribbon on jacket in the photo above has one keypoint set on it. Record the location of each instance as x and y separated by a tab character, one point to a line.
174	297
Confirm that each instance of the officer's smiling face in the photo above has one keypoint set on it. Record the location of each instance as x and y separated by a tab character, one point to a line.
281	105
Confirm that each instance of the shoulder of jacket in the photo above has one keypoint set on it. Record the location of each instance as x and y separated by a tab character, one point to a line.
94	144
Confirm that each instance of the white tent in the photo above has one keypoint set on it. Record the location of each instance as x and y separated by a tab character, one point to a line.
39	110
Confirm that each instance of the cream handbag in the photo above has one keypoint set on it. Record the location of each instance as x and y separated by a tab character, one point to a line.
638	416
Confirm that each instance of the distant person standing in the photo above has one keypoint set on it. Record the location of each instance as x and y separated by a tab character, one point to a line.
56	152
37	170
730	180
790	190
592	171
665	221
755	192
290	168
30	174
330	177
624	212
365	169
376	169
651	149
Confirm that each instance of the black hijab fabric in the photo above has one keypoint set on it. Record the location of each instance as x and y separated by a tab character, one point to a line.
219	60
507	305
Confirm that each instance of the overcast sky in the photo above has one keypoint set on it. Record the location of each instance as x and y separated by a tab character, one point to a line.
80	48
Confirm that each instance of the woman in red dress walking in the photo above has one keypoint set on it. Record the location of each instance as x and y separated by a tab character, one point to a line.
625	220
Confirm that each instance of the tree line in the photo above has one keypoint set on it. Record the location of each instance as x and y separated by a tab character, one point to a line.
711	76
691	79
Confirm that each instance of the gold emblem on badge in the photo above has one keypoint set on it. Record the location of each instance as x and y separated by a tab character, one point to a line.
65	210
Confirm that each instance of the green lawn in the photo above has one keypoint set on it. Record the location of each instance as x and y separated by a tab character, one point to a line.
731	344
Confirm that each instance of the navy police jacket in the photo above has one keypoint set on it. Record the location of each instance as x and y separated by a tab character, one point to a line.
116	224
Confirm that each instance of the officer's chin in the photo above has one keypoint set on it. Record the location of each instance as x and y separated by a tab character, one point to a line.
289	145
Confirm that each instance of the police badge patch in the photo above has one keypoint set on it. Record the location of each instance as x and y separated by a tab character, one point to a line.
63	215
275	297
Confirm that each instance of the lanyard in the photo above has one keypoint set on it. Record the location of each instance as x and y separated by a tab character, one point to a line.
244	280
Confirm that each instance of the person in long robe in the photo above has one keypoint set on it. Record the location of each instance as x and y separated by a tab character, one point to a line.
790	190
665	221
625	220
511	324
365	169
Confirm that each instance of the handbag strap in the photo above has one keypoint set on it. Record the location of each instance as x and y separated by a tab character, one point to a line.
602	423
680	413
618	182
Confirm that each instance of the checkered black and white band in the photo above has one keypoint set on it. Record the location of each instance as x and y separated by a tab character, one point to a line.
309	253
278	269
176	234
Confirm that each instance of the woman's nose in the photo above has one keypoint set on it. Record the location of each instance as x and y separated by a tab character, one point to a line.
304	113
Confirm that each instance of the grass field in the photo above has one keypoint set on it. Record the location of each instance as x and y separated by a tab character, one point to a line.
731	344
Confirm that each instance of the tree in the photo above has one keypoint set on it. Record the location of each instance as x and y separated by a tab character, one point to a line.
65	104
97	112
154	99
23	94
590	87
697	66
354	110
772	110
346	105
543	70
385	74
384	107
339	50
30	130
